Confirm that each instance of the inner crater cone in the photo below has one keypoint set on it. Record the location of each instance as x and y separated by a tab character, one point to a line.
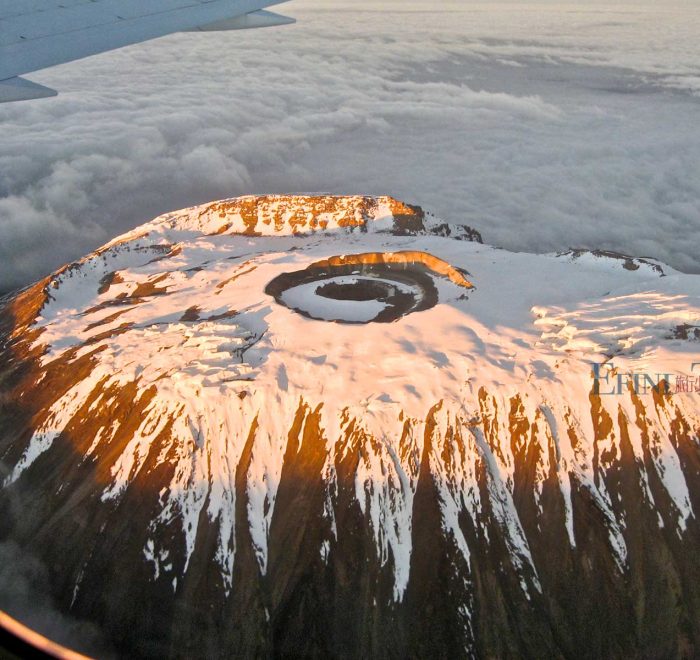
378	287
359	289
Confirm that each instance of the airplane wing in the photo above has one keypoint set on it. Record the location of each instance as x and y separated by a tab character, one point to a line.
35	34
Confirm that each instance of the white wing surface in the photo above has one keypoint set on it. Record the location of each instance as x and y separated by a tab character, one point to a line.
35	34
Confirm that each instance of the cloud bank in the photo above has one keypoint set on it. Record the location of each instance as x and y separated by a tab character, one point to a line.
544	127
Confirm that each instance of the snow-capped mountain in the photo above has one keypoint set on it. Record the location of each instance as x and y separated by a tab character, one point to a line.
310	425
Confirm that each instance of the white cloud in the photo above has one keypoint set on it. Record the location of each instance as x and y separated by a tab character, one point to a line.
542	127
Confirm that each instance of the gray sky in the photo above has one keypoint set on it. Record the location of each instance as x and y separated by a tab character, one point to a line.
542	126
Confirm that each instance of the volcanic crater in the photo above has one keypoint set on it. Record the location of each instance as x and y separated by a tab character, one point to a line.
373	287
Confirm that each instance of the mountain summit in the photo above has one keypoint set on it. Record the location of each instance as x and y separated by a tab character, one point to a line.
312	426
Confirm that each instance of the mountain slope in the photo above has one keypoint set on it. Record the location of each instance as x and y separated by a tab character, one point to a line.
209	467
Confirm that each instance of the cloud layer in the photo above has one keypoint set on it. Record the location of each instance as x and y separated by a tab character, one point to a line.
544	128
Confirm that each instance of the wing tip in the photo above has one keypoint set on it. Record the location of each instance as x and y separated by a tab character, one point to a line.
21	89
256	19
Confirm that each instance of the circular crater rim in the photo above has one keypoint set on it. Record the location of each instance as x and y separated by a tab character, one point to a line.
370	287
